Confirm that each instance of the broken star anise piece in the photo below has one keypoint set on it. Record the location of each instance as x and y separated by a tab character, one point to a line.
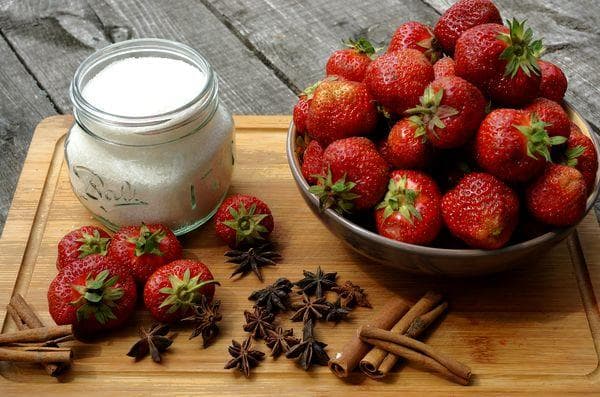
316	283
244	357
337	312
258	322
252	259
352	295
205	318
153	341
309	351
310	309
280	340
275	297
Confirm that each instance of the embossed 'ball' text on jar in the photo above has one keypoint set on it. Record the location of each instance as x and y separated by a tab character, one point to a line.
151	142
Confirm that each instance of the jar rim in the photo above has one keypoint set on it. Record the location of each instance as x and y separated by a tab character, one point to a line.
131	47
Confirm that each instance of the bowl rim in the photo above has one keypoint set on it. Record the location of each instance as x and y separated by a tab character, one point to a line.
554	234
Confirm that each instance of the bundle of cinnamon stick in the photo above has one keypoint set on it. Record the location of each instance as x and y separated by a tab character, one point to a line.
34	342
391	335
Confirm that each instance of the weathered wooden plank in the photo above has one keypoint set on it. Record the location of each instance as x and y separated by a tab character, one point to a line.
22	105
53	37
571	35
298	36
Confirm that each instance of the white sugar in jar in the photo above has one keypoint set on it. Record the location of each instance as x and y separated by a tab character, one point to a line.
151	142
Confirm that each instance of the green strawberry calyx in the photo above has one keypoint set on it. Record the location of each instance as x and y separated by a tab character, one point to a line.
92	244
572	155
522	51
97	297
538	140
336	195
362	46
429	114
399	198
246	223
148	242
183	292
431	47
309	91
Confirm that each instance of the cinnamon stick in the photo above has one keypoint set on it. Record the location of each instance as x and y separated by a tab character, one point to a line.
343	363
25	317
371	364
36	334
418	358
456	367
41	357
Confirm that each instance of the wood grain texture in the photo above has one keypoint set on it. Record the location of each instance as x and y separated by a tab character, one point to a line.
22	105
53	37
524	331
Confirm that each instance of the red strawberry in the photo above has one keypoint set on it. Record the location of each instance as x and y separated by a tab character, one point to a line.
243	219
143	249
582	155
417	36
312	162
552	114
462	16
558	196
444	68
351	63
513	145
481	210
554	82
397	79
501	61
93	293
405	148
357	176
410	211
171	291
79	243
340	109
450	112
300	113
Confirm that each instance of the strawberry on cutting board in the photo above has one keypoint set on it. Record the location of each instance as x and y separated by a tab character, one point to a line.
143	249
79	243
356	178
410	211
481	210
449	112
558	197
340	109
502	61
416	36
243	219
462	16
351	63
397	79
171	292
513	145
94	294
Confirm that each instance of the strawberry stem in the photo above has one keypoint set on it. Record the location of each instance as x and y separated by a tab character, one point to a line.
522	51
97	297
337	196
92	244
147	242
183	293
247	224
538	140
400	199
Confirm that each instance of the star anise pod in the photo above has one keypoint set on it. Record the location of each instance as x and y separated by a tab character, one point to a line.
309	351
205	318
275	297
352	295
244	357
153	341
310	309
252	259
337	312
316	283
280	340
258	322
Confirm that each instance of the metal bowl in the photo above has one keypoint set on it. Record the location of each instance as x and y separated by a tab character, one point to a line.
430	260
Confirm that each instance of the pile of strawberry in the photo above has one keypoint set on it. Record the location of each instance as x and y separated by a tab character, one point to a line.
475	142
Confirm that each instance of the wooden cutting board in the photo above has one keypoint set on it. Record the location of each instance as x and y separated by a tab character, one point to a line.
524	331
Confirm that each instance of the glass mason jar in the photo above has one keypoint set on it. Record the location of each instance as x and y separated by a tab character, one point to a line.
172	168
